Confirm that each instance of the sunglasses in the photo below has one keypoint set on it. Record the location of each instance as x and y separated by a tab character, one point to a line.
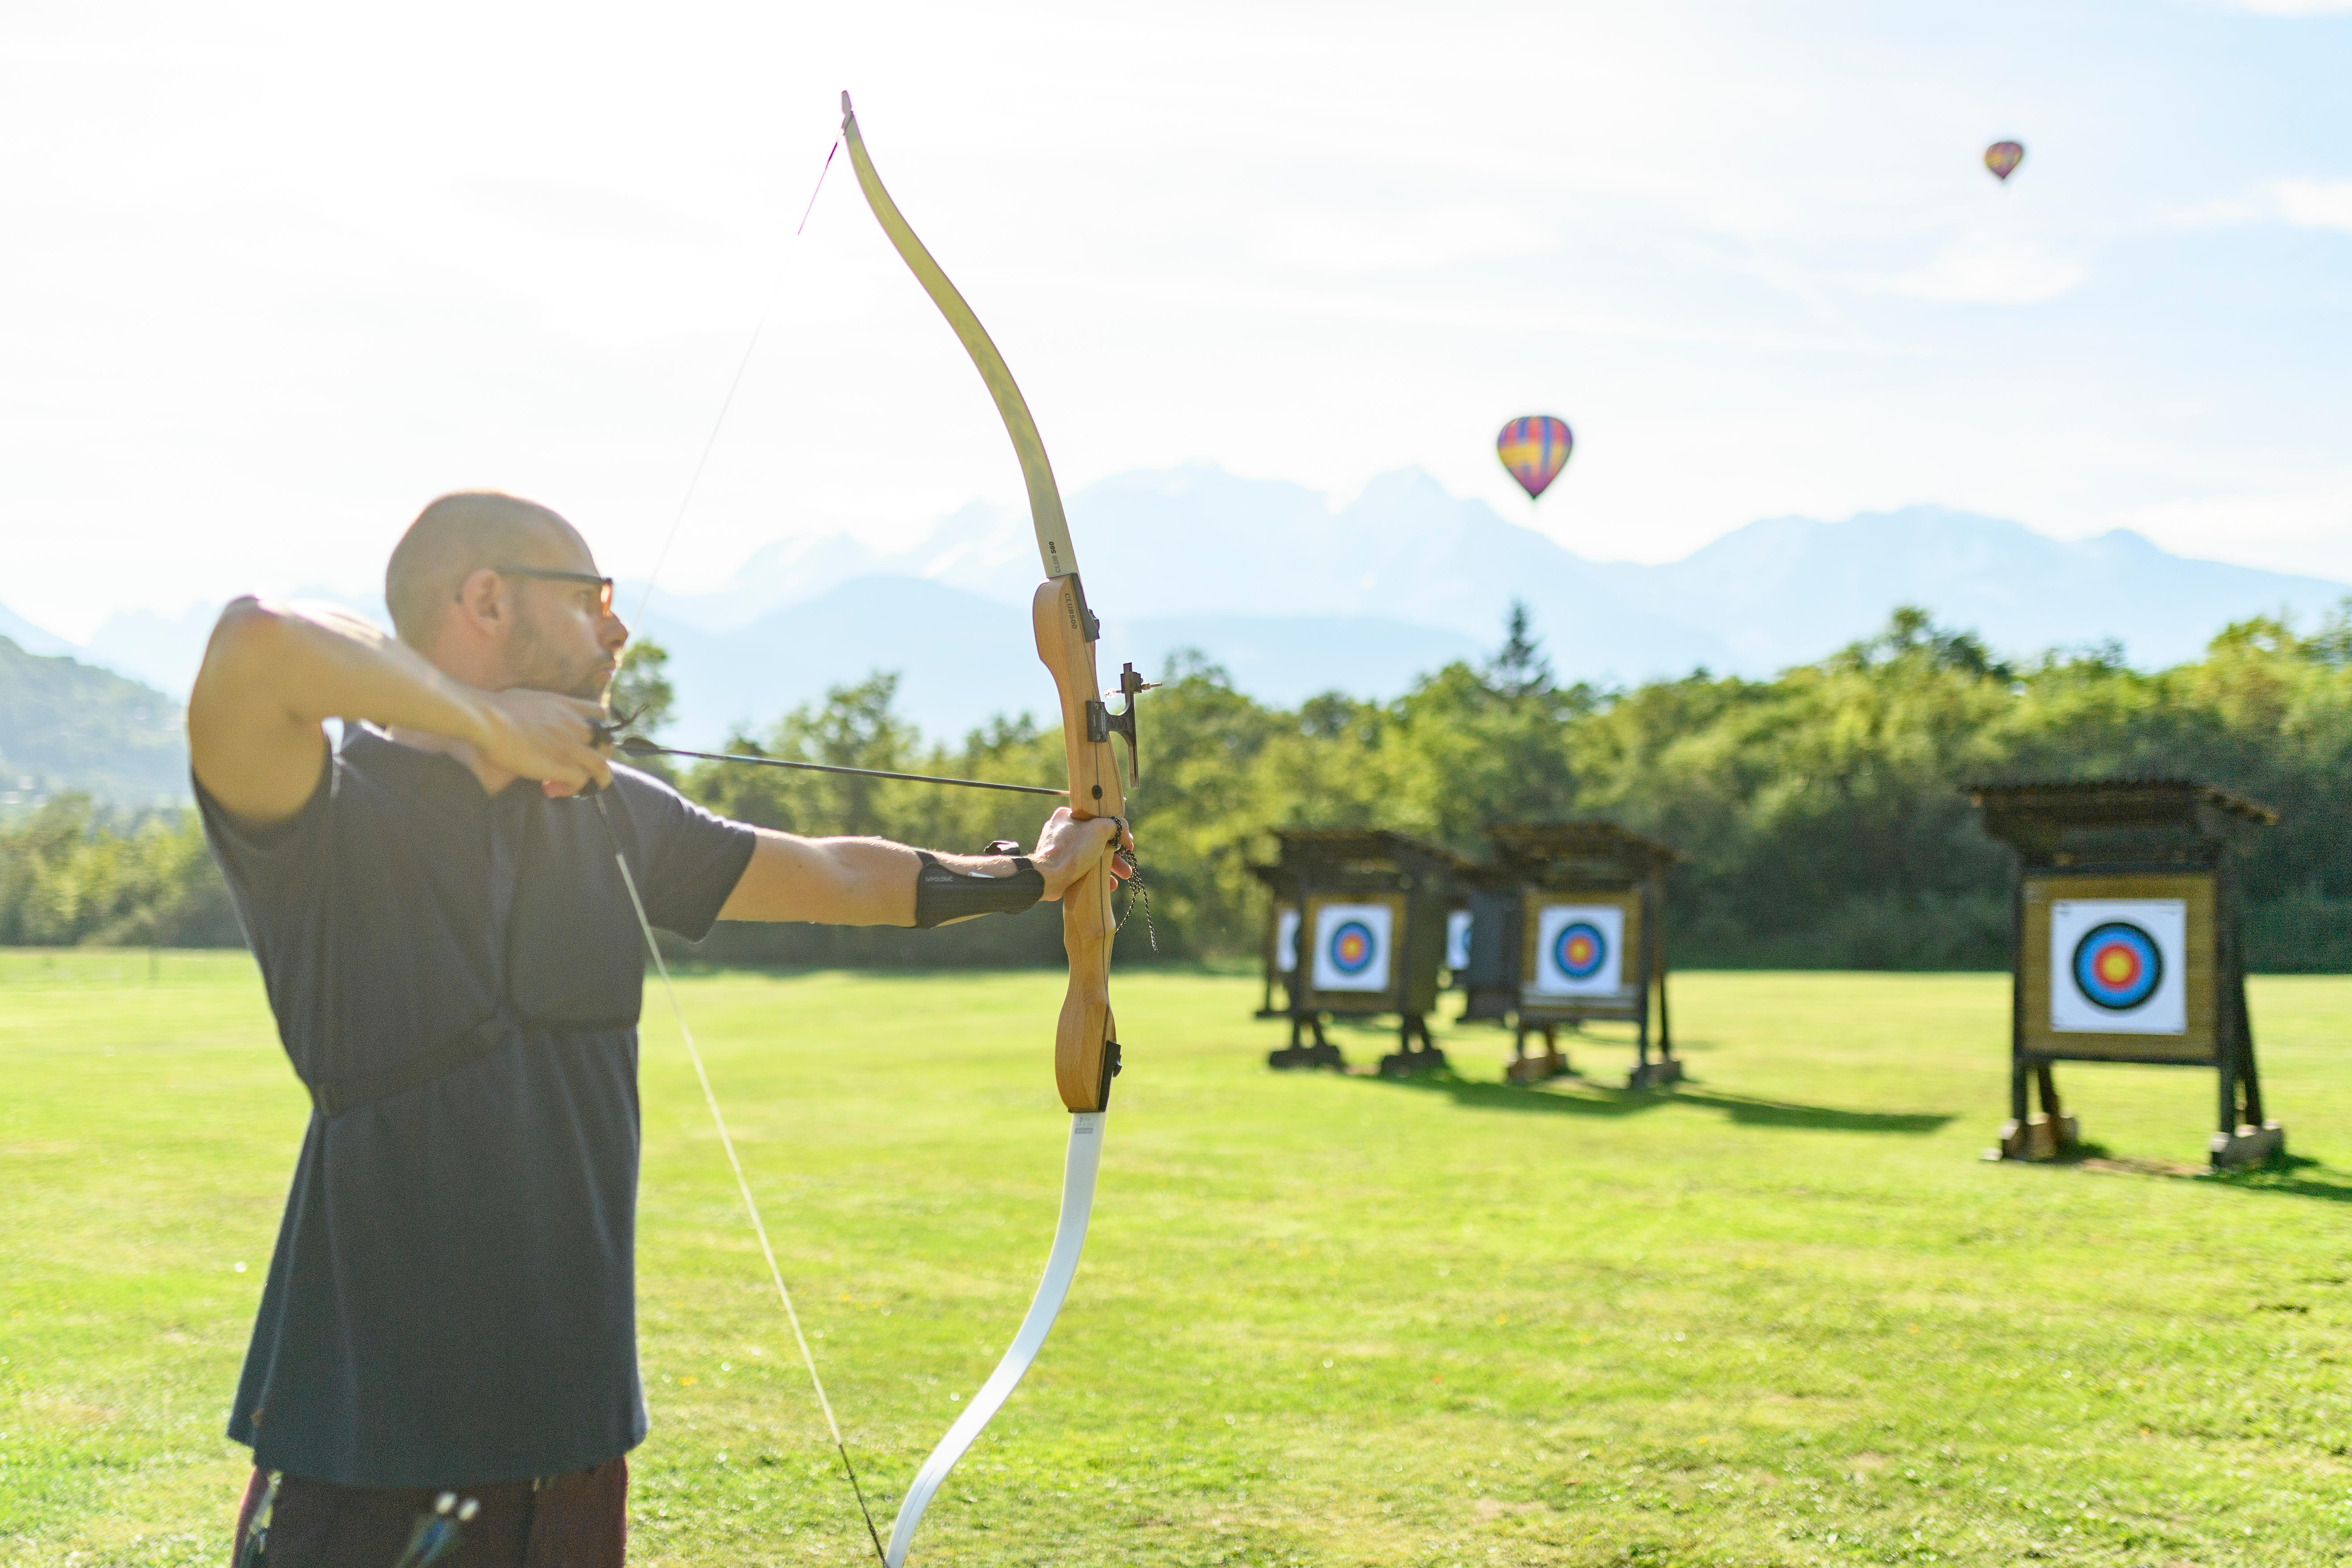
604	585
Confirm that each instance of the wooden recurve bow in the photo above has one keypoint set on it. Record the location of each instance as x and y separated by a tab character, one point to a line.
1086	1041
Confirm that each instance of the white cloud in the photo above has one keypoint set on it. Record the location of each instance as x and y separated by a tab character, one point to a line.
1334	241
2305	530
1984	269
2314	204
1304	239
2224	212
2289	7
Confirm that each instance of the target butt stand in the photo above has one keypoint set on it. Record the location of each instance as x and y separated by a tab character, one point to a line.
2125	946
1568	925
1356	928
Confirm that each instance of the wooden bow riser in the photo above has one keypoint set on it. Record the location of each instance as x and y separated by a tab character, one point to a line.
1084	1040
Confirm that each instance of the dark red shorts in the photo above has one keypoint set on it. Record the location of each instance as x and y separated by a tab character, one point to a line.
575	1520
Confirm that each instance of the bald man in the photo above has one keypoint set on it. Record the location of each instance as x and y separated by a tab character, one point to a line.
456	971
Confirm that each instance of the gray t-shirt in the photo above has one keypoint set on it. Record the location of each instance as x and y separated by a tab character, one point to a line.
456	979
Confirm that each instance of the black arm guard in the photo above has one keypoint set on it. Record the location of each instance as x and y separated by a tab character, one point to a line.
943	894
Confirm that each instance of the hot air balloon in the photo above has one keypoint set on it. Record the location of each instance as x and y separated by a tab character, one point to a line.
2003	157
1535	449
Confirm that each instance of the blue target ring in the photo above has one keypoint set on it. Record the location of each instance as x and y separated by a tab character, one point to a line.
1353	947
1579	950
2117	965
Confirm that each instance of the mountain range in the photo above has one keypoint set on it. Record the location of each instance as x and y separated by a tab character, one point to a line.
65	725
1294	595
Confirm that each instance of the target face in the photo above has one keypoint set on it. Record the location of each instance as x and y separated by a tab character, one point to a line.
1457	941
1286	942
1351	947
2117	966
1578	950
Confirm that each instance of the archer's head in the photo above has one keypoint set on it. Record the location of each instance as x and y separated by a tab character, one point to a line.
498	591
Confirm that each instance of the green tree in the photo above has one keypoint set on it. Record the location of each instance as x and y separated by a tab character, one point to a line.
641	691
69	874
1822	815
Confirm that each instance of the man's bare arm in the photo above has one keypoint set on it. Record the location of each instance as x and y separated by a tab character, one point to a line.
273	673
871	881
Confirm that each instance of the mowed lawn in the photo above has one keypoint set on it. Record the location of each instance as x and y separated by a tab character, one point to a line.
1785	1315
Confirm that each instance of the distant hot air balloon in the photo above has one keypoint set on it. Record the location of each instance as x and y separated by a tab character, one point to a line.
2003	157
1535	449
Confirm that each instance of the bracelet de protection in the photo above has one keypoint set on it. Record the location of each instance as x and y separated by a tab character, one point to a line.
944	893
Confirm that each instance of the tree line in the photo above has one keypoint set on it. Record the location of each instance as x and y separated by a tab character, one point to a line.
1822	814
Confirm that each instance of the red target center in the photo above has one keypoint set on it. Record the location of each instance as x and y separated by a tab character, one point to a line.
2117	966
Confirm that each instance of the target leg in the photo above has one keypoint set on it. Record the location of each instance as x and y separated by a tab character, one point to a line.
2250	1082
2226	1123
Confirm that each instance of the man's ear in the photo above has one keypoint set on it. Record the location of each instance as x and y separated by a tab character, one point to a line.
482	599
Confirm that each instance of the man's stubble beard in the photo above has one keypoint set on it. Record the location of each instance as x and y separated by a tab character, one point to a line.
533	662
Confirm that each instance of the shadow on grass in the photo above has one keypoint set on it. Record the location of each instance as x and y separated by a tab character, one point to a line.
1609	1035
2286	1177
1823	1118
2283	1177
1595	1100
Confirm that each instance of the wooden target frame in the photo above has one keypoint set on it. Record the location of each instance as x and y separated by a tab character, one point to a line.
2163	841
2204	1036
1417	883
1397	994
1638	959
1545	866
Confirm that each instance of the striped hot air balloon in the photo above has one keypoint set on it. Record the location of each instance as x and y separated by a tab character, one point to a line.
1535	449
2003	157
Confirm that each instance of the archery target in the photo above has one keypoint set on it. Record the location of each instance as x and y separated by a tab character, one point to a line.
1457	941
1579	950
1286	942
2119	966
1351	947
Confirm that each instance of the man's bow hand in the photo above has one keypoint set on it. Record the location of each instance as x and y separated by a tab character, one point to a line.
1069	847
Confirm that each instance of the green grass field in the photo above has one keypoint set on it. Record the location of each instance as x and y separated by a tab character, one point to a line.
1783	1316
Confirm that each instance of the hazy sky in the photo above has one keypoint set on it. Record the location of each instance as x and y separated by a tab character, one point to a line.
271	276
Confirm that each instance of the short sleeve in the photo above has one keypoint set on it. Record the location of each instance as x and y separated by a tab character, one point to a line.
273	868
687	859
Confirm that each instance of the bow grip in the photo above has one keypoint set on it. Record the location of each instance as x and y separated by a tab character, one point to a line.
1086	1041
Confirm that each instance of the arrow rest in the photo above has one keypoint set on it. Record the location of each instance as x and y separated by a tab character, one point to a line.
1102	724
